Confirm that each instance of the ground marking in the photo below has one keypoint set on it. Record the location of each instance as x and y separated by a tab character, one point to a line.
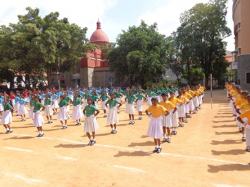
66	158
17	149
130	169
27	180
224	185
130	149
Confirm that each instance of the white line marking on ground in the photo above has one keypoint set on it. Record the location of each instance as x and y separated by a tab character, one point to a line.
139	150
66	158
224	185
17	149
27	180
130	169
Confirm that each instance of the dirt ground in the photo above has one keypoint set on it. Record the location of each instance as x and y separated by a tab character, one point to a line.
208	151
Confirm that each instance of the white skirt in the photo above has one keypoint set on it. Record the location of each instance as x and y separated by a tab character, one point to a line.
71	97
85	103
13	102
48	110
103	105
149	103
112	116
38	119
6	117
42	101
175	119
155	128
77	112
55	104
22	110
247	131
27	99
187	108
1	107
96	104
90	124
181	111
130	109
63	114
31	113
139	105
167	121
200	99
196	103
16	107
67	107
191	105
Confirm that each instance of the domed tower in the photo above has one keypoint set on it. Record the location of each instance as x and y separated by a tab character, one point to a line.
99	37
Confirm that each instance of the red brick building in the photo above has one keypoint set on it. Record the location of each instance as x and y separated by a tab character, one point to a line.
91	71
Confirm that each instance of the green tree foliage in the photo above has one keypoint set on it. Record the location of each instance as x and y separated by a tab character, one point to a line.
195	75
139	55
37	46
199	39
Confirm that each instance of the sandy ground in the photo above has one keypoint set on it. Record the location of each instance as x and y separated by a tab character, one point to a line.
208	151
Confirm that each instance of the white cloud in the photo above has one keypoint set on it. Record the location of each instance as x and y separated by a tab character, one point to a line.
82	12
167	16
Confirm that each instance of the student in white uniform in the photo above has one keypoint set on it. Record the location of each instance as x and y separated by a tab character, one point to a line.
112	119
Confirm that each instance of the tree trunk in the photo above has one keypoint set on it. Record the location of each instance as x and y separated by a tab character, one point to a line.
206	81
48	72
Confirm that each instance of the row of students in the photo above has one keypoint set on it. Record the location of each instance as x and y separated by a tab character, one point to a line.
239	101
113	104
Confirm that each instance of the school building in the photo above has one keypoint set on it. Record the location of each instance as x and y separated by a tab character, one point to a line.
91	71
241	54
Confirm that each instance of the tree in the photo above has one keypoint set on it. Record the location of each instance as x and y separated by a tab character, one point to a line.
200	36
194	75
139	55
39	46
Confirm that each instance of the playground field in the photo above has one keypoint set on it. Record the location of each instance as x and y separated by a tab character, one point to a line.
208	151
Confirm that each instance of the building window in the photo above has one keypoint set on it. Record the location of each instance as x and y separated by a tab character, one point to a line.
239	51
248	78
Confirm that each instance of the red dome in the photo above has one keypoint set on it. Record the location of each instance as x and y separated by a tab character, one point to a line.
99	37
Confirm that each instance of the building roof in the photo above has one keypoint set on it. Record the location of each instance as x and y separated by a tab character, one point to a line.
99	37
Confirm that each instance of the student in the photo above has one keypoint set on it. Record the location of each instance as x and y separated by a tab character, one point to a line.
77	113
112	119
182	109
240	101
139	103
155	126
86	96
1	106
32	104
177	103
104	98
130	107
95	98
38	118
22	109
63	114
243	108
7	116
244	119
55	105
167	120
12	98
48	109
90	124
17	104
118	97
149	94
68	99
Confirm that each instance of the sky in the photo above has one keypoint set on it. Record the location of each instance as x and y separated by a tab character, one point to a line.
115	15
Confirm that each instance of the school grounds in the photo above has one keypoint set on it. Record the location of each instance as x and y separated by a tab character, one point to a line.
208	151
